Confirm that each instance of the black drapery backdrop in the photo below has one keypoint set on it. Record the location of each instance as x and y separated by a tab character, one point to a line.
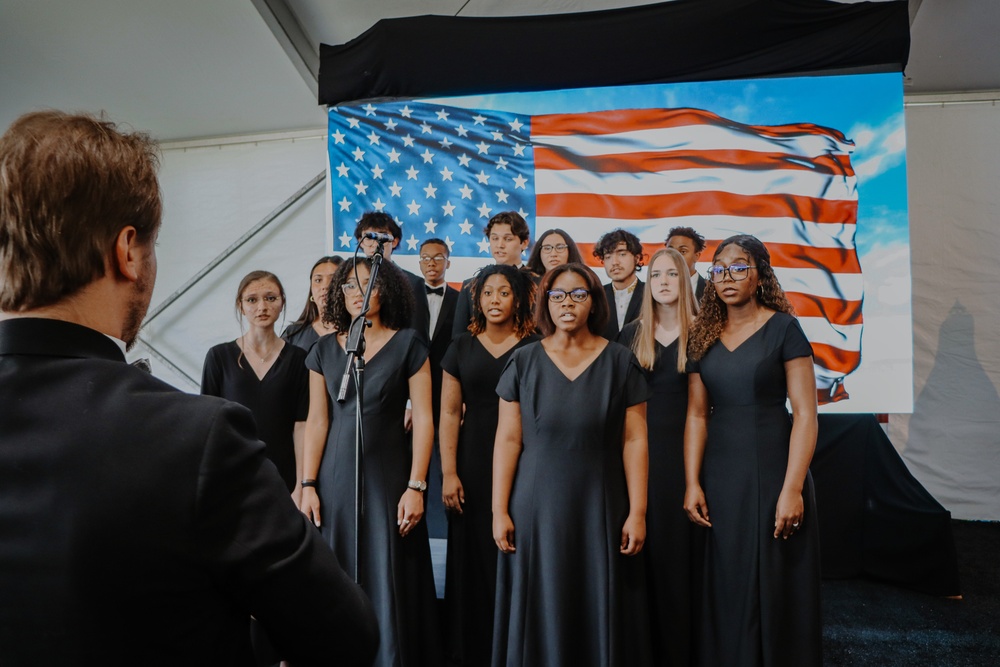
686	40
875	518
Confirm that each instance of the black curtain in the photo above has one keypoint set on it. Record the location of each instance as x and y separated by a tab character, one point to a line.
875	518
686	40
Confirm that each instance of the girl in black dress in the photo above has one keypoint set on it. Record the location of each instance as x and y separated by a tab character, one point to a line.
659	340
553	248
262	372
394	553
310	326
502	299
569	489
747	467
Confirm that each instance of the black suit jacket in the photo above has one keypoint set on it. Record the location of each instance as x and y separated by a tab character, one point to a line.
140	525
700	289
439	339
631	313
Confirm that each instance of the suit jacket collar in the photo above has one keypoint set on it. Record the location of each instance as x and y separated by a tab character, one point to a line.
55	338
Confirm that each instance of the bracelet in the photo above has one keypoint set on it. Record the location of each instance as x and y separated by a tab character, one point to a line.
309	483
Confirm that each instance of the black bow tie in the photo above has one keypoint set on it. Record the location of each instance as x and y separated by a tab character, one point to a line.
434	290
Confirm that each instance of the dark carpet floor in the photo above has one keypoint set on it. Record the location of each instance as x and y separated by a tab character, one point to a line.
870	624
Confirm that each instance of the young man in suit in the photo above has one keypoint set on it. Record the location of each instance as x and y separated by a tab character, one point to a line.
621	252
435	315
139	525
689	244
509	237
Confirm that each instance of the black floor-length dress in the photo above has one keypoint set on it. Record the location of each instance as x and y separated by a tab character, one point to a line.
395	571
761	597
669	532
567	596
470	580
277	400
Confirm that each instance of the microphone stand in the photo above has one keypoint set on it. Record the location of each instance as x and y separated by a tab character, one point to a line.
356	363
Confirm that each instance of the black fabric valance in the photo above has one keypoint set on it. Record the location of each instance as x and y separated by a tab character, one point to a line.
686	40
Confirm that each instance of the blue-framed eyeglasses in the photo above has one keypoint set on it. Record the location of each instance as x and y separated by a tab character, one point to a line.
737	272
558	295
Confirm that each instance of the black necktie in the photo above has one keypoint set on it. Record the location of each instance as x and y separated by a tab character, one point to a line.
434	290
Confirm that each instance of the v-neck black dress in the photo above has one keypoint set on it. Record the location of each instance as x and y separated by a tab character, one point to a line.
669	533
395	571
567	596
277	400
761	595
471	575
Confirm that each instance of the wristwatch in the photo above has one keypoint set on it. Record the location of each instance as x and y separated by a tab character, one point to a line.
417	485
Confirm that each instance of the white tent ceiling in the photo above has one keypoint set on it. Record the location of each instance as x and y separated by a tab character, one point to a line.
188	69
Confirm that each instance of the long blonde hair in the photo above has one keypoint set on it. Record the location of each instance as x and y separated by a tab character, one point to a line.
644	341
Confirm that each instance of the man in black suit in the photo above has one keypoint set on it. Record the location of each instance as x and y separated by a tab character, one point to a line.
382	223
139	525
434	316
621	252
689	244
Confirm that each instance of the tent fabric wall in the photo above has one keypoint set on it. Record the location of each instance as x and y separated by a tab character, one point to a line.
685	40
951	443
212	196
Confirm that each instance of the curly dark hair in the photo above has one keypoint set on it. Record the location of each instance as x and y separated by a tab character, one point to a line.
394	295
535	261
599	309
687	232
610	241
710	322
524	299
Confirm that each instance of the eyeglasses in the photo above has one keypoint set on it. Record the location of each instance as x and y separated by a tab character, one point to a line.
436	259
578	295
737	272
548	247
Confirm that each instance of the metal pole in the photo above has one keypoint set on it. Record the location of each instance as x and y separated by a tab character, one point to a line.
171	365
284	206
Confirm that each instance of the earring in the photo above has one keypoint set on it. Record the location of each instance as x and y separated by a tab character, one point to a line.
311	298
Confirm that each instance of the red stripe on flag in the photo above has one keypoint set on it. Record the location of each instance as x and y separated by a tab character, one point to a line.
837	311
644	207
836	359
788	256
617	120
653	162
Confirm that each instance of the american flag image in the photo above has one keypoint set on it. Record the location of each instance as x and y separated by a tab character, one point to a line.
443	171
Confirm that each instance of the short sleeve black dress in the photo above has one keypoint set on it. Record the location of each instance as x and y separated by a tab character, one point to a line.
761	595
300	335
471	575
567	596
277	400
669	532
395	571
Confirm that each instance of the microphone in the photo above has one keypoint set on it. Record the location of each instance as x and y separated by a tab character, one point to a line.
378	236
